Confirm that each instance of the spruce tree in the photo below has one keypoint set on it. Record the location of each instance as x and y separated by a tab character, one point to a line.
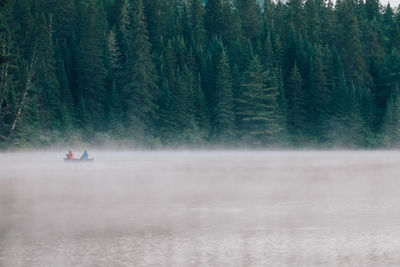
213	20
257	112
140	92
319	97
65	20
47	80
232	27
372	9
4	57
157	18
350	43
224	113
296	15
115	117
197	23
313	22
202	114
391	124
92	72
167	124
269	57
328	24
251	20
297	102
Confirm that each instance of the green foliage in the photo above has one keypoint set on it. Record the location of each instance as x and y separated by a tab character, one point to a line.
257	107
250	17
213	20
141	88
224	112
92	72
197	23
391	126
190	72
297	102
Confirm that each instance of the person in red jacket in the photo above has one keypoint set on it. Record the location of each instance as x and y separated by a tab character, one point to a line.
70	155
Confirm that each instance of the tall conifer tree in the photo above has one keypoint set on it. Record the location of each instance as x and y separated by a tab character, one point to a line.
92	72
140	92
257	111
224	118
297	101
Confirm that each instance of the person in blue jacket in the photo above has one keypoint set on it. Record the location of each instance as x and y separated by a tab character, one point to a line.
85	155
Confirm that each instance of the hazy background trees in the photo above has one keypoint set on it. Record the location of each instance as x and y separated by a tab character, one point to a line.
193	72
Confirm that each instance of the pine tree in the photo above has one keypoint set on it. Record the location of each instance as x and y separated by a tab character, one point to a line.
167	125
114	54
297	101
213	20
356	127
209	68
340	103
231	24
65	18
92	72
269	57
257	108
350	43
251	20
224	113
278	51
157	20
115	114
140	92
319	97
84	120
62	77
202	114
391	125
47	81
5	72
277	80
338	108
4	57
184	106
296	15
113	104
313	21
328	24
268	10
372	9
395	34
196	23
393	65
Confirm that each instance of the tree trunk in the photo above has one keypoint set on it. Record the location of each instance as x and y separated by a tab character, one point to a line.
30	70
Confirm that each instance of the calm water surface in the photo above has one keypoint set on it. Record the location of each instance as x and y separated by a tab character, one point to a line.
201	209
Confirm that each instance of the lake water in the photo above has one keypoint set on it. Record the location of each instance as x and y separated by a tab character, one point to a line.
201	209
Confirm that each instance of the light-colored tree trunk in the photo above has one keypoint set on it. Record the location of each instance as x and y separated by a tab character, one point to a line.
30	71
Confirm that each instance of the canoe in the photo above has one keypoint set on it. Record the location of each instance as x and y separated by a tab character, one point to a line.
78	160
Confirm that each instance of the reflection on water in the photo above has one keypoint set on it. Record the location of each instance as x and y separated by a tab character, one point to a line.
201	208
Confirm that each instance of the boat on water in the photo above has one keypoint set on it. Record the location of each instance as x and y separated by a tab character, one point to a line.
78	160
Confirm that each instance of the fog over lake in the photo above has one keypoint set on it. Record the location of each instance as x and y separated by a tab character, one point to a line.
200	209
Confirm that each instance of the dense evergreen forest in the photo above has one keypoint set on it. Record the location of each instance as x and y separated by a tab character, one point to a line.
157	73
